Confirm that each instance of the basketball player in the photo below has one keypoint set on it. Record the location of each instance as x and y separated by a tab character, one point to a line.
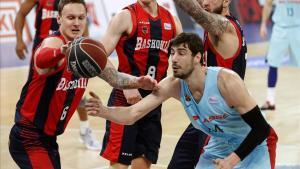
225	46
45	24
141	42
216	101
52	93
285	38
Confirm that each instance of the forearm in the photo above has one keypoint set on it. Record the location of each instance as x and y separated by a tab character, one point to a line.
120	115
266	12
260	130
19	24
117	79
213	23
48	57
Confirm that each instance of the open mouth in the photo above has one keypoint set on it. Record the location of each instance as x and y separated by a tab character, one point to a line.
175	68
75	31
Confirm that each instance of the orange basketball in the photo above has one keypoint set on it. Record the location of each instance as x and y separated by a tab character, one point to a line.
86	57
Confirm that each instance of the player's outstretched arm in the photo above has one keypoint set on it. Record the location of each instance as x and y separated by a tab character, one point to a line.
213	23
168	87
125	81
236	95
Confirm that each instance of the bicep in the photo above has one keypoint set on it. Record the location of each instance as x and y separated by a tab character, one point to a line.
115	30
236	94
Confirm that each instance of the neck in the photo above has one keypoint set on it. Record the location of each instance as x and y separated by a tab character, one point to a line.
150	8
196	81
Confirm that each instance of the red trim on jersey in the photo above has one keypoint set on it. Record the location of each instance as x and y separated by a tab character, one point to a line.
113	148
227	63
271	143
131	9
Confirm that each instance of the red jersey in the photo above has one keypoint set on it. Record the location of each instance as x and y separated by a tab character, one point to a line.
145	50
45	21
48	101
237	62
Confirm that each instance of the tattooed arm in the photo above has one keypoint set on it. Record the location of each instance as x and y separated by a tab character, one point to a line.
125	81
213	23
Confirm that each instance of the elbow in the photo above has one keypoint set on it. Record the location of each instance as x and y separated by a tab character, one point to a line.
132	118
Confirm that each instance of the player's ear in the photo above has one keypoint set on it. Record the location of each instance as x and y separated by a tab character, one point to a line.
198	57
226	3
58	19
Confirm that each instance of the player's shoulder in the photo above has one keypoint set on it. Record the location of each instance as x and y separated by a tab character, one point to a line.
170	80
52	41
227	78
124	16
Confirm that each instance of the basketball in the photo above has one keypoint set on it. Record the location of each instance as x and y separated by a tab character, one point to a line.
86	57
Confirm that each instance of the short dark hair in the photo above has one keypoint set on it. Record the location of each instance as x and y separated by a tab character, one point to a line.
192	40
63	3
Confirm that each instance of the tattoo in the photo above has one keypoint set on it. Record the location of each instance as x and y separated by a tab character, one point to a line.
117	79
213	23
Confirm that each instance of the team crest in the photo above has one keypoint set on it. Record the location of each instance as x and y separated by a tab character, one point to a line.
187	98
145	29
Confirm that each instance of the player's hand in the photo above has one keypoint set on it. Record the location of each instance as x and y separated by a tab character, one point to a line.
222	164
64	47
227	163
132	96
94	106
20	48
263	31
147	83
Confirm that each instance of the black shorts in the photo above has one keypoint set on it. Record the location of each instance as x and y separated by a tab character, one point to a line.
123	143
188	149
31	149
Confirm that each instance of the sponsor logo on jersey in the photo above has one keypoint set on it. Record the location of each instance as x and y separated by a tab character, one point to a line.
142	43
167	26
196	117
213	100
126	154
49	14
144	22
65	84
216	117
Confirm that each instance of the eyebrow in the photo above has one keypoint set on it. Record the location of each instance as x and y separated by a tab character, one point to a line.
181	49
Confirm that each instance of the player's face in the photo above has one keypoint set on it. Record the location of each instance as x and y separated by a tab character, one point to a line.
213	6
72	20
182	61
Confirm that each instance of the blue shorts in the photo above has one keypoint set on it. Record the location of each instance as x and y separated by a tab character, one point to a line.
284	40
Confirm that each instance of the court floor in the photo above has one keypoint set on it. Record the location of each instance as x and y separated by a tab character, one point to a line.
285	120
